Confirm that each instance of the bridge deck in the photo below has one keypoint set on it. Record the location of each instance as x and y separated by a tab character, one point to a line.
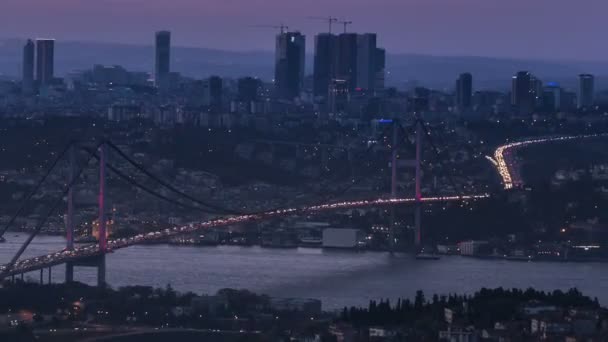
61	257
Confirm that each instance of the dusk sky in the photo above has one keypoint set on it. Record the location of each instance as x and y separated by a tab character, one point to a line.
554	29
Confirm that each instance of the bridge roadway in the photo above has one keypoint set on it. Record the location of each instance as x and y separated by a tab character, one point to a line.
504	156
79	253
503	161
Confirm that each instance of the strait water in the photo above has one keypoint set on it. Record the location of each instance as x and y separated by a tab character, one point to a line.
338	278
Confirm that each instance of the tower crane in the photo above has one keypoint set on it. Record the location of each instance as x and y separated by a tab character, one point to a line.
345	23
330	20
280	27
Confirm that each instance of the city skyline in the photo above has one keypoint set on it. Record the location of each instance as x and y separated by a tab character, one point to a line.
434	27
321	170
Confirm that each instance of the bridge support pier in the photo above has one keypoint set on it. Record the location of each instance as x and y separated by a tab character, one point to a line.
101	272
98	261
417	224
42	276
50	276
69	272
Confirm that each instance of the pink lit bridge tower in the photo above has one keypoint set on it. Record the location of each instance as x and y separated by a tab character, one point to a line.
98	261
418	178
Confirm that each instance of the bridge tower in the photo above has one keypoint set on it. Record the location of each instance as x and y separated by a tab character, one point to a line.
98	261
69	229
394	155
418	196
103	243
418	188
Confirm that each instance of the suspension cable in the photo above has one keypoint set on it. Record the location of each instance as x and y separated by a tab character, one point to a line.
154	193
50	212
167	185
36	188
435	149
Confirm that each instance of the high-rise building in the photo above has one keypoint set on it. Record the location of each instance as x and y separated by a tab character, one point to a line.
289	64
338	96
552	97
45	61
248	89
464	91
325	63
585	91
347	59
27	79
366	61
162	66
536	88
380	61
213	93
522	97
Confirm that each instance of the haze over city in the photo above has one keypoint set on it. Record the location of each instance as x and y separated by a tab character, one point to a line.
559	29
303	171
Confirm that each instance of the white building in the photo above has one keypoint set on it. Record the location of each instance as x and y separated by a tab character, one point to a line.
470	247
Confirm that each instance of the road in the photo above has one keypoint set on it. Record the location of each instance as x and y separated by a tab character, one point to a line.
504	161
61	257
506	165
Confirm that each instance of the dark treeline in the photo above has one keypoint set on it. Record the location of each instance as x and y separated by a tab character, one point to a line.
146	304
481	309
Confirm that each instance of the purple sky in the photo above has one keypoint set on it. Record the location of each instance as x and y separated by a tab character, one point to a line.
555	29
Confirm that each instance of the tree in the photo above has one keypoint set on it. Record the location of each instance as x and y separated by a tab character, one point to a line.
419	300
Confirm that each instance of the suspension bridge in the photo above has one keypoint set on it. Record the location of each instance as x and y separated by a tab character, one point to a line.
94	255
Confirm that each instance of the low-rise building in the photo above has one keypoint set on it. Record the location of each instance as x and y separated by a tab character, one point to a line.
470	247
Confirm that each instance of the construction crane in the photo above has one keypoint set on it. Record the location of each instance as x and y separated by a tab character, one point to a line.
281	27
330	20
345	23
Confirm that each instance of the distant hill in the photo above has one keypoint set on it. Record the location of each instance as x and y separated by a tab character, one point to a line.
433	71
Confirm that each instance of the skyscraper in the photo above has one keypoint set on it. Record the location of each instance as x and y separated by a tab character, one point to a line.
585	91
289	64
552	97
464	91
522	97
347	59
380	62
213	93
248	89
366	65
27	79
163	59
325	63
45	60
536	89
338	96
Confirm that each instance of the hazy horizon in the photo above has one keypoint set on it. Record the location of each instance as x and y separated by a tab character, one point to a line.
557	30
309	50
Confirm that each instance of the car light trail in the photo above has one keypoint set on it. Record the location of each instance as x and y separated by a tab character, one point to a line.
60	257
504	154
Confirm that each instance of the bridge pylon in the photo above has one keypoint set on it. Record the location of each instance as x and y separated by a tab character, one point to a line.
103	238
69	229
394	155
418	184
418	196
98	261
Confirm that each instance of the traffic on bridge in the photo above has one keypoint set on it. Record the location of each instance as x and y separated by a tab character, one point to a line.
61	257
504	161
